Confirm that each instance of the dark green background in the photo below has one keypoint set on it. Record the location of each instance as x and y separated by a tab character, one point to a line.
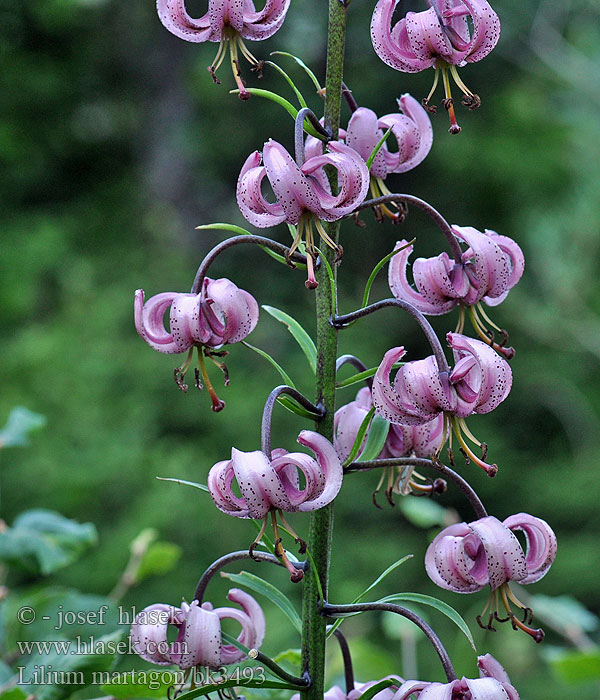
115	144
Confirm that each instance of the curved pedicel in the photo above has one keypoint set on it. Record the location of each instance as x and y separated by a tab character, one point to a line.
238	240
340	610
433	214
420	463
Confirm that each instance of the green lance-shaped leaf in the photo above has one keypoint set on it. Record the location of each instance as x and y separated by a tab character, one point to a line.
298	333
232	228
378	433
20	423
377	268
378	147
302	65
378	687
369	588
297	92
432	602
286	104
242	683
358	440
183	482
259	585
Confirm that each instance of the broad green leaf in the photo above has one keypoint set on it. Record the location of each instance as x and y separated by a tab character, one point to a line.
159	559
439	605
282	373
360	435
183	482
293	657
302	65
299	334
42	541
290	82
13	694
378	147
291	405
259	585
378	267
577	666
20	423
378	433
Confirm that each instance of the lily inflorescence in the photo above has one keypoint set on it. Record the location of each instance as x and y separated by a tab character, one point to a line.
397	423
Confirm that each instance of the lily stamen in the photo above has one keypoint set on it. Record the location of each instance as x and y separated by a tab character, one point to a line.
258	537
217	403
448	101
486	334
296	575
180	372
490	469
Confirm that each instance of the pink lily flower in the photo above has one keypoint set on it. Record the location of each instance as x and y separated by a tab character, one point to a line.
302	192
464	689
479	382
467	557
228	22
221	314
491	266
199	637
413	133
438	37
402	441
270	485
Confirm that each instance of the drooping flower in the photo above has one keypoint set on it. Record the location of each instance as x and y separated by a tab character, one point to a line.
478	383
227	22
199	632
302	192
221	314
270	485
411	128
463	689
467	557
491	266
438	37
402	441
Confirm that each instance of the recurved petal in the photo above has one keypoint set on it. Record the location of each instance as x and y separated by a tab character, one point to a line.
258	483
263	24
293	190
490	265
449	566
330	465
426	36
419	381
252	204
413	132
224	13
149	322
238	307
149	633
486	689
220	479
199	639
490	667
541	544
393	46
426	691
402	289
491	378
486	29
516	261
433	280
252	621
287	468
353	181
363	135
173	15
505	560
388	403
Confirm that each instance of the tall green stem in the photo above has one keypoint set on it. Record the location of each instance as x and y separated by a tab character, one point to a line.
321	524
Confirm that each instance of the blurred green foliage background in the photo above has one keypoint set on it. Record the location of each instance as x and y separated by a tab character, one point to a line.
115	144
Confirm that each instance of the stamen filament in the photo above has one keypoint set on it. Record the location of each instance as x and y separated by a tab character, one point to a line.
235	67
295	574
458	81
246	53
258	537
460	325
217	403
214	67
179	372
463	424
433	87
449	102
490	469
481	310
